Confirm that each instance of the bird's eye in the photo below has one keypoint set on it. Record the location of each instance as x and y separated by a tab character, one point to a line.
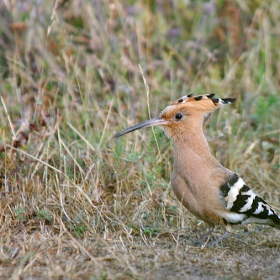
178	116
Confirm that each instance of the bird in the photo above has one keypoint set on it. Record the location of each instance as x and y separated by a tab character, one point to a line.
210	191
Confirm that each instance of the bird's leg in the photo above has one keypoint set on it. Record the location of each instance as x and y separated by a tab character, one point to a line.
207	235
204	238
221	237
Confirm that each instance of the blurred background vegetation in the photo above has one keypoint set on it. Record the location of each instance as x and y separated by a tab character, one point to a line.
70	79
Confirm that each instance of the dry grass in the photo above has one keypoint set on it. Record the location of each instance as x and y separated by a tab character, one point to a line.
76	204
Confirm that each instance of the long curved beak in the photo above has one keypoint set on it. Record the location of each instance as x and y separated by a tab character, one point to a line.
152	122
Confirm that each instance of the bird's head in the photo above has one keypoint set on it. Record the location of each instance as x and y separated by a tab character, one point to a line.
182	115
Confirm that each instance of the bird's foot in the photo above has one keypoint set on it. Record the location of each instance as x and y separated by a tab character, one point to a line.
219	239
204	238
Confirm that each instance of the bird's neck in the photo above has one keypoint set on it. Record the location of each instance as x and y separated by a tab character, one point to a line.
192	154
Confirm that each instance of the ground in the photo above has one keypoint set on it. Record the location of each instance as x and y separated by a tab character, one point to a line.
35	255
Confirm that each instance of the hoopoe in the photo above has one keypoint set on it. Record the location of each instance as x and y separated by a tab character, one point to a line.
211	192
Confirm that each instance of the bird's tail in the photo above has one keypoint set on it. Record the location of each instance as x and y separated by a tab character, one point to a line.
275	220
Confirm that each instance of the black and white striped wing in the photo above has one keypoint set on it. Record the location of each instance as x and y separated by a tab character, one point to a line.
245	206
